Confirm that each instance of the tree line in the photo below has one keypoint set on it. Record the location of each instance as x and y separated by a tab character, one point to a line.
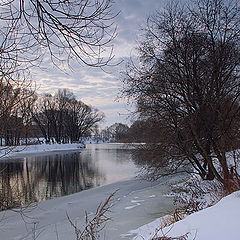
69	34
58	118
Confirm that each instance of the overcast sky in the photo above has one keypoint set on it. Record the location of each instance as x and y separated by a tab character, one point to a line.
94	86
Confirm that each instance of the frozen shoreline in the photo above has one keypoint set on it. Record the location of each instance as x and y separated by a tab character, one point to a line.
19	151
22	150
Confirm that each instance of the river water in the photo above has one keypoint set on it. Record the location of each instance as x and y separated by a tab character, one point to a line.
35	178
38	177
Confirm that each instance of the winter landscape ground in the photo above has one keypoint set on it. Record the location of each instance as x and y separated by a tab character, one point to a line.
138	212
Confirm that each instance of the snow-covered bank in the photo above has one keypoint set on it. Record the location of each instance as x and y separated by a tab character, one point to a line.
29	149
220	222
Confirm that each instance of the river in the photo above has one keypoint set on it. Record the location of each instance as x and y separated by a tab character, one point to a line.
42	176
100	170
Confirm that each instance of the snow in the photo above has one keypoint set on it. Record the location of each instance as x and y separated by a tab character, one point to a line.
8	152
220	221
136	204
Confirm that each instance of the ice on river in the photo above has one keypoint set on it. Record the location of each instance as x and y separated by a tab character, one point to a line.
137	202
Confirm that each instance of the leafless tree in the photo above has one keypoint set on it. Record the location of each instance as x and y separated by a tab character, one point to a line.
63	118
16	101
142	131
81	120
62	32
68	31
188	82
42	111
118	131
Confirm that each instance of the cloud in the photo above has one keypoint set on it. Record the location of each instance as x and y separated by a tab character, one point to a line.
94	86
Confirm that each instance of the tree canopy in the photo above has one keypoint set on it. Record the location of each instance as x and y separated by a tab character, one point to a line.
63	118
188	81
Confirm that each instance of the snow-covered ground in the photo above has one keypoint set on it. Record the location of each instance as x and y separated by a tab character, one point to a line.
136	204
220	222
6	152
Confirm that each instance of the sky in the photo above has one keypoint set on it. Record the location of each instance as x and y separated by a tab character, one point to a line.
100	88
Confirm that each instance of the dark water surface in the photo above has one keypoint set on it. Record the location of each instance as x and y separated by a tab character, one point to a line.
39	177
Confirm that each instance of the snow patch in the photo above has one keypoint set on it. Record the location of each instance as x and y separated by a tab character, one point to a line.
137	201
152	196
133	206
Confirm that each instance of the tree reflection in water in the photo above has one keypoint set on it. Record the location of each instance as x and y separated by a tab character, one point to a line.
46	176
43	177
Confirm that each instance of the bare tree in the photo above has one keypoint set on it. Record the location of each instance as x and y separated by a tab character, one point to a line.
63	118
118	131
43	115
81	120
142	131
188	82
62	32
16	101
69	31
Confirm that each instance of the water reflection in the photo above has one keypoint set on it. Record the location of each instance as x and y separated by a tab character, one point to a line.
37	178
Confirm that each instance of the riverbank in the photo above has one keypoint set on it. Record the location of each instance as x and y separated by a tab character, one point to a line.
15	151
220	221
137	202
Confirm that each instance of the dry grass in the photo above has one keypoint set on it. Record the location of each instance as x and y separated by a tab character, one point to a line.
93	226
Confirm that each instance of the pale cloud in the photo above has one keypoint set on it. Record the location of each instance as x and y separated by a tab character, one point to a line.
94	86
130	17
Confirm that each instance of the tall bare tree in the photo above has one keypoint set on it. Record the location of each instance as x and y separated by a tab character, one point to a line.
16	101
81	120
63	118
188	81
